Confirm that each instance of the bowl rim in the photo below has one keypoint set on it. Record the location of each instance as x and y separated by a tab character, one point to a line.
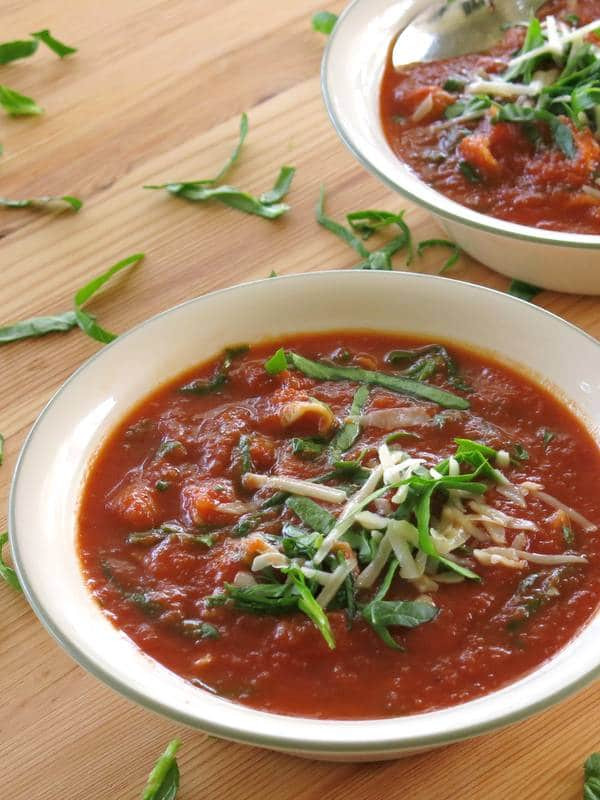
448	208
325	742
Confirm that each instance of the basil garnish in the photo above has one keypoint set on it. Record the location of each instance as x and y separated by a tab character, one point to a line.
525	291
51	203
57	47
407	386
366	223
6	572
324	22
202	386
450	261
18	105
163	781
11	51
268	205
40	326
591	788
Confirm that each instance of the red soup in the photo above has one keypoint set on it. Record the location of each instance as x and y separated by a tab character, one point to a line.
355	526
504	132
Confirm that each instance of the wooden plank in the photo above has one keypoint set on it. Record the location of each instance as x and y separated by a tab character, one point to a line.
155	93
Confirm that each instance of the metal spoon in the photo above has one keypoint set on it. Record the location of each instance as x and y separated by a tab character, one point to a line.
456	27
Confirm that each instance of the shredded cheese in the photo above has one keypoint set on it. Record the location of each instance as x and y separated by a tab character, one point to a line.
294	486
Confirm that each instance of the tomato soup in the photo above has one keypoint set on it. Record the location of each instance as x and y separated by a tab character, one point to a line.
346	525
506	134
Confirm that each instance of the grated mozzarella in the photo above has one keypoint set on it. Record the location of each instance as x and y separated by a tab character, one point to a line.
425	107
338	576
294	486
485	513
348	513
587	526
390	418
571	36
500	88
271	559
244	579
371	521
515	555
371	572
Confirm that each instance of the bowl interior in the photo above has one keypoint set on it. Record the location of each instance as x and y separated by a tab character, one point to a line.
353	65
53	464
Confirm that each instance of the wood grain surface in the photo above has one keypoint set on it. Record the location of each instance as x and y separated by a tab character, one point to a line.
154	93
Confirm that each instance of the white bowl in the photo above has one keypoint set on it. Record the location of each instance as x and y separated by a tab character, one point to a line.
54	460
351	73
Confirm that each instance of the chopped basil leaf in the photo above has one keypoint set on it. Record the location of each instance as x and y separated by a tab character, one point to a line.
407	386
533	592
311	513
568	535
202	386
453	85
572	19
6	572
307	448
408	614
197	629
281	187
336	228
396	435
561	133
425	361
474	107
324	22
11	51
38	326
86	322
57	47
168	446
453	258
348	434
266	206
161	485
62	203
18	105
245	454
163	781
525	291
469	171
277	363
547	436
365	223
298	543
308	604
245	524
261	598
591	788
519	453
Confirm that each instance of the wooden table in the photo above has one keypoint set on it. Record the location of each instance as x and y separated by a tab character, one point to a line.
155	93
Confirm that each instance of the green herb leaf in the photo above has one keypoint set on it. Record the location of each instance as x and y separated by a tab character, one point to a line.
591	788
86	322
245	454
397	435
337	229
11	51
266	205
51	203
547	435
453	85
526	291
519	453
298	543
426	361
324	22
469	171
198	629
262	598
281	188
236	153
163	781
349	432
308	604
407	386
311	513
203	386
406	613
18	105
161	485
277	363
38	326
168	446
6	572
451	261
307	448
57	47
